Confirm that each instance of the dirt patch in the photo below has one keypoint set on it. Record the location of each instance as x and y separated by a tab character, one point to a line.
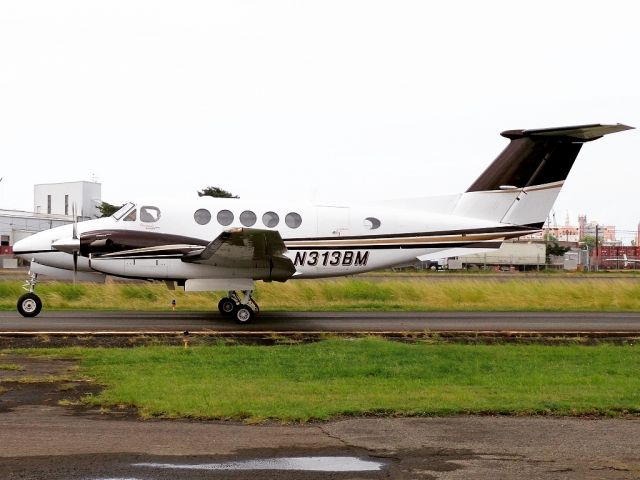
42	381
35	367
50	394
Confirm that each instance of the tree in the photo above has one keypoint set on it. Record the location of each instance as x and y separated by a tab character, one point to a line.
216	192
589	241
106	209
555	249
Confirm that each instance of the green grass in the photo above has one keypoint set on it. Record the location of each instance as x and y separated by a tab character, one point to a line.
366	377
367	294
11	367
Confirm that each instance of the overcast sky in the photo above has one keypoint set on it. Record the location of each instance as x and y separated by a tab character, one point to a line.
325	101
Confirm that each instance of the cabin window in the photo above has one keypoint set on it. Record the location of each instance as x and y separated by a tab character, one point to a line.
131	217
149	214
293	220
202	216
248	218
225	217
270	219
371	223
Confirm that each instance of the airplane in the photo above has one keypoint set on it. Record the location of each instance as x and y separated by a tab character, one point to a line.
227	244
624	259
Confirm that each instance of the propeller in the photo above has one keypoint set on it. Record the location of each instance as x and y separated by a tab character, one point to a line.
75	237
70	245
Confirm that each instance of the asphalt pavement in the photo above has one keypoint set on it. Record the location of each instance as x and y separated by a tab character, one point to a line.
40	442
93	321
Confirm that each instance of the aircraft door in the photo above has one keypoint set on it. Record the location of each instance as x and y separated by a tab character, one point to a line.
333	221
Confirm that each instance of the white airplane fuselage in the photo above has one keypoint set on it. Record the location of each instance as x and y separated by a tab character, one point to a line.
330	240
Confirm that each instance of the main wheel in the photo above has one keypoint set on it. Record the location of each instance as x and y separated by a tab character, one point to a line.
226	306
243	314
29	305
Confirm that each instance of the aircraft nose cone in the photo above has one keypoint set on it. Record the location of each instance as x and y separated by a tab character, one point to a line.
28	245
68	245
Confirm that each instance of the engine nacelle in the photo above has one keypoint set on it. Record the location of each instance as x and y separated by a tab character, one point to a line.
176	269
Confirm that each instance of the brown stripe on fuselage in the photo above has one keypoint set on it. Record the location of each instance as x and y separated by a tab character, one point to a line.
113	241
405	241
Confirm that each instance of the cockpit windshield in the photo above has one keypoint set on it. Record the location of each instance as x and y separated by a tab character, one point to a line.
123	210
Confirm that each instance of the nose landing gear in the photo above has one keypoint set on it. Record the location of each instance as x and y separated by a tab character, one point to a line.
29	304
242	311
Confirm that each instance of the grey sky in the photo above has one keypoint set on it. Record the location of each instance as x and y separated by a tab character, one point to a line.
312	101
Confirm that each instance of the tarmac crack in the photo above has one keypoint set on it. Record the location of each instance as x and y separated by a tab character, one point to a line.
325	432
616	469
371	451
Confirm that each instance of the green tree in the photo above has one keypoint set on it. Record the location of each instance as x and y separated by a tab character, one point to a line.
216	192
589	241
106	209
554	249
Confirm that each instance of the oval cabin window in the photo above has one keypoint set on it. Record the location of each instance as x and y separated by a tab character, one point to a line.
270	219
293	220
202	216
225	217
248	218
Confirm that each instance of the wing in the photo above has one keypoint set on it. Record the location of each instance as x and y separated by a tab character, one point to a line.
249	248
250	252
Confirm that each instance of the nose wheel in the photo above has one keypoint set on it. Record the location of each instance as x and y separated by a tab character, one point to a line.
29	305
243	310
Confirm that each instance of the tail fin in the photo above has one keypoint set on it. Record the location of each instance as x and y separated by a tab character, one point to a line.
522	184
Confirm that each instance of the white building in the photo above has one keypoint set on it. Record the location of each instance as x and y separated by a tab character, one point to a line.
59	198
16	225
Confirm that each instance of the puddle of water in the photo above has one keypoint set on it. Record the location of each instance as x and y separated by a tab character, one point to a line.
309	464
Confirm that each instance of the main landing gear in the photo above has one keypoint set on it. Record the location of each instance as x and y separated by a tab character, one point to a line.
241	310
29	304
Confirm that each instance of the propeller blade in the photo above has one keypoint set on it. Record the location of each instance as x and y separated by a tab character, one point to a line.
75	221
75	266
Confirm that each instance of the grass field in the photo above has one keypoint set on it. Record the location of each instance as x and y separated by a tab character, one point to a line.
419	294
365	377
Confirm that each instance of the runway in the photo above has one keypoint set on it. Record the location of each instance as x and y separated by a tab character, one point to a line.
138	322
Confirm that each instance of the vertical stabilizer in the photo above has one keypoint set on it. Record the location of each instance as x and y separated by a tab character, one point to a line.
522	184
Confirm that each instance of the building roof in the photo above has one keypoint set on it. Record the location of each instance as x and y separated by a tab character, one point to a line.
41	216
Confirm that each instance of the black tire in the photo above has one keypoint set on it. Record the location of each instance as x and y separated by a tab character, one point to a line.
243	314
226	306
29	305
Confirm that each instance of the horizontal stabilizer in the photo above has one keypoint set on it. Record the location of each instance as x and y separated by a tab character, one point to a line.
579	133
